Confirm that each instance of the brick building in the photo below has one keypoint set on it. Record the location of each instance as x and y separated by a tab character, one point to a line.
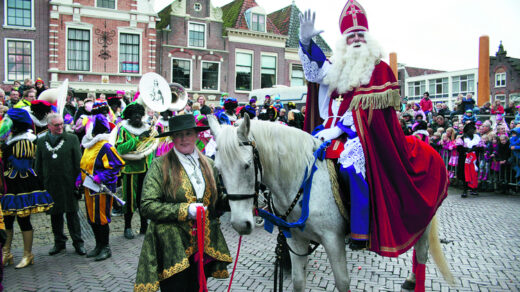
504	79
235	48
101	46
25	46
191	50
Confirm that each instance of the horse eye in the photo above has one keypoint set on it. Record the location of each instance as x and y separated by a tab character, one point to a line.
246	166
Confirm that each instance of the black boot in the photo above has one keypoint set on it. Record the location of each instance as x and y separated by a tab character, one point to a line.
57	248
128	233
464	194
105	251
358	244
95	252
104	254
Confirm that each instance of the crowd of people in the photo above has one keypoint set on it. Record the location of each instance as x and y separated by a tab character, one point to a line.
495	145
113	151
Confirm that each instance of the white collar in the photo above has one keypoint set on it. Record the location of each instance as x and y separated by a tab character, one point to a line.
133	130
38	123
87	143
184	157
27	135
469	143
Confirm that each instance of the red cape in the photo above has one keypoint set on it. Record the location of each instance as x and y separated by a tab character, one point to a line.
407	178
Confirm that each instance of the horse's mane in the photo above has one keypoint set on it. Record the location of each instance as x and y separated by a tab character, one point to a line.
281	147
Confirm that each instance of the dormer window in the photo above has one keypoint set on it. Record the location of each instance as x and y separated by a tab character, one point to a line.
258	22
256	19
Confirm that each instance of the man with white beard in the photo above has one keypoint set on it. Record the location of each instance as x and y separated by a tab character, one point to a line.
396	183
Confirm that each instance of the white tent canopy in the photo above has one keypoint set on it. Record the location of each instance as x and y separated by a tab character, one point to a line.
296	94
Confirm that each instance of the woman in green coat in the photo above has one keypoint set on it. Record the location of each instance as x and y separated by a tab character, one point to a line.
175	185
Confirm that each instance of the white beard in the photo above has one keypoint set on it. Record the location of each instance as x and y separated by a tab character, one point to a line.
352	67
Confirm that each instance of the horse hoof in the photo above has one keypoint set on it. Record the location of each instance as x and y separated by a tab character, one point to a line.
408	286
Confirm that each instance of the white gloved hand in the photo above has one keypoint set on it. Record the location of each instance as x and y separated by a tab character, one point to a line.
307	30
192	210
329	134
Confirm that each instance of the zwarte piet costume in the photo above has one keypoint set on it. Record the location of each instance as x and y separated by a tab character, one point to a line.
25	194
103	163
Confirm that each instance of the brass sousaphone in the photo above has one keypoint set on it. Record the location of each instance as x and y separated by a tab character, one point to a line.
157	95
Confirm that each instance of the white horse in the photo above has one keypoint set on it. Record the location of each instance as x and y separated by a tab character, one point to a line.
285	152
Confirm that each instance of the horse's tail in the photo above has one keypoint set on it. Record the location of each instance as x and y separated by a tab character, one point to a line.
437	254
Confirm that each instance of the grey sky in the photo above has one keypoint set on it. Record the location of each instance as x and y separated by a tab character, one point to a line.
442	34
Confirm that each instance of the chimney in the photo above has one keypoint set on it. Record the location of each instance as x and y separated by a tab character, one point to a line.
393	63
483	71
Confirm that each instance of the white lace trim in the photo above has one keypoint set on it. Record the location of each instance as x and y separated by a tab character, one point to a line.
473	142
38	123
133	130
312	71
100	137
27	135
348	120
353	155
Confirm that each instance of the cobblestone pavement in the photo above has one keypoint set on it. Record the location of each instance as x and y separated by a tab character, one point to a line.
484	256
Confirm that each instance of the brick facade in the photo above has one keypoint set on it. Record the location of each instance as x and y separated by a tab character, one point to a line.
104	73
501	65
37	34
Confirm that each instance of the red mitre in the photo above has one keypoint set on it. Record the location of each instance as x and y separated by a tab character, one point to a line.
353	18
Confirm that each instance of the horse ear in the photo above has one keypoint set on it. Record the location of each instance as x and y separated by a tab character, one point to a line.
214	125
243	129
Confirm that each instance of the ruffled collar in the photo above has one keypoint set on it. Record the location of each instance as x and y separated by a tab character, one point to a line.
39	123
27	135
133	130
88	143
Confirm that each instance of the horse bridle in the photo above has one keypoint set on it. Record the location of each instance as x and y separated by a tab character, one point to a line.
258	175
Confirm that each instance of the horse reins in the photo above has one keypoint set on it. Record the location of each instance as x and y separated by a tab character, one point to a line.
258	176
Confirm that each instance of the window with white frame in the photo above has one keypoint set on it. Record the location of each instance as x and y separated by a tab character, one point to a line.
19	13
297	78
181	72
78	49
268	78
438	87
197	7
416	89
244	71
463	84
129	53
196	35
500	79
500	97
106	4
19	59
258	22
210	75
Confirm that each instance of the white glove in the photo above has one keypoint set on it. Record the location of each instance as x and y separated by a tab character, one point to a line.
329	134
192	210
307	30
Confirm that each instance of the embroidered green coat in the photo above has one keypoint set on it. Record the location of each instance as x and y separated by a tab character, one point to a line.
127	142
169	240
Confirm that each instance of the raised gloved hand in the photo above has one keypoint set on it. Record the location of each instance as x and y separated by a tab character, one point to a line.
329	134
307	30
97	179
192	210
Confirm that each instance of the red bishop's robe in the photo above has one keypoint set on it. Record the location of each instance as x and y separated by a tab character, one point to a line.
407	178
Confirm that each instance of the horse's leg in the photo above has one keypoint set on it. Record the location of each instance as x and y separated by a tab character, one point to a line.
298	263
417	278
335	249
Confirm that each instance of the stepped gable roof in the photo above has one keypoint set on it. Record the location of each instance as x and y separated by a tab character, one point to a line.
414	71
233	15
501	55
287	21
